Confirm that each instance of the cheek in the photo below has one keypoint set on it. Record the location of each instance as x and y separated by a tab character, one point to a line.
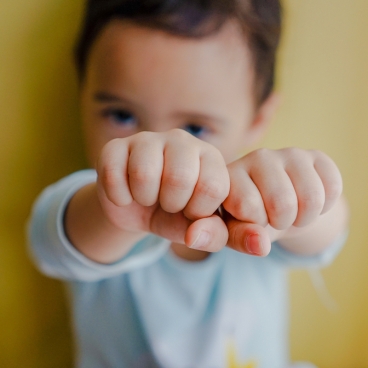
235	144
94	134
97	132
231	155
229	149
94	140
93	149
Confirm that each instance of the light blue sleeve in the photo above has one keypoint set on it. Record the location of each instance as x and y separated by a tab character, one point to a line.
322	259
53	253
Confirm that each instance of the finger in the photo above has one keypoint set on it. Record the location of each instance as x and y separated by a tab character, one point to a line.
277	190
309	190
331	179
180	175
245	202
145	169
112	177
248	238
207	234
211	188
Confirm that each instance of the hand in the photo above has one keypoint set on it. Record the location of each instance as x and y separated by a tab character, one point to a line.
169	183
277	190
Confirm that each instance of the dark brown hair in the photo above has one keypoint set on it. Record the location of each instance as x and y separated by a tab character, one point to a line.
260	20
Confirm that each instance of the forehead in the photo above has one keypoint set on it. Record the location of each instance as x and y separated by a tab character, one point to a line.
144	59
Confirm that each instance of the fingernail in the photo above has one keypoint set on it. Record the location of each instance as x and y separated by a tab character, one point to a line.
253	244
201	241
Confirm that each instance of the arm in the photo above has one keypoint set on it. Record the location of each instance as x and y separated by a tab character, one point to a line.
317	236
89	230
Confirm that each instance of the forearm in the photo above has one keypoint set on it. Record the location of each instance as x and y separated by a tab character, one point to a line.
92	233
317	236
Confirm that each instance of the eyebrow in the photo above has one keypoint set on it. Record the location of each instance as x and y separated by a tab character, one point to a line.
107	97
205	117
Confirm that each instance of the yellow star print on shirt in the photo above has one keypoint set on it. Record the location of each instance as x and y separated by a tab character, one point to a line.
232	361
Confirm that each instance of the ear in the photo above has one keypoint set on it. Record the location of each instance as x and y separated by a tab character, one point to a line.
262	118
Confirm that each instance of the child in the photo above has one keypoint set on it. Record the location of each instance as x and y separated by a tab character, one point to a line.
163	245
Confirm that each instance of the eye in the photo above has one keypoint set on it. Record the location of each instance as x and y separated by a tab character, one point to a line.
195	129
121	116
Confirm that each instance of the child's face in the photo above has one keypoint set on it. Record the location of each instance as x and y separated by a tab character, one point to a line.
143	79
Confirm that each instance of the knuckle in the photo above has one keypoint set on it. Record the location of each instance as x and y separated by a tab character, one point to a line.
291	151
244	209
144	136
179	134
142	174
213	189
317	154
281	204
179	178
333	191
107	153
110	177
111	144
261	154
292	156
311	201
214	152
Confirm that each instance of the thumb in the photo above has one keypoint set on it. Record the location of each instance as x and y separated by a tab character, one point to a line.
208	234
248	238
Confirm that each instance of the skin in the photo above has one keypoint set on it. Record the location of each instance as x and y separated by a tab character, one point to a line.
165	120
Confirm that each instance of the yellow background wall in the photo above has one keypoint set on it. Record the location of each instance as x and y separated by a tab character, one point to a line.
323	77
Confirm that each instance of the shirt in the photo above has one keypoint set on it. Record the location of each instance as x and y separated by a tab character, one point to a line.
154	309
